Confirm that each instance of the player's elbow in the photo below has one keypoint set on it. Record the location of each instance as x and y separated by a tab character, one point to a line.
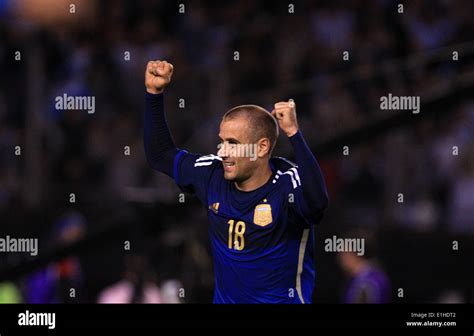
153	159
153	164
317	202
322	205
316	206
156	163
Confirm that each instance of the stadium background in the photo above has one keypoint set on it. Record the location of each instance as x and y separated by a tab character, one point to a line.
282	55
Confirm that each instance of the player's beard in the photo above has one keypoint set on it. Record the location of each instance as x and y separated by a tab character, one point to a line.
231	174
239	172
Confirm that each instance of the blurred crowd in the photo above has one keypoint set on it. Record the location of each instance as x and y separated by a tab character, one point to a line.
226	54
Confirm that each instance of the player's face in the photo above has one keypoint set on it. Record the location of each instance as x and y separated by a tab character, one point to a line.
236	150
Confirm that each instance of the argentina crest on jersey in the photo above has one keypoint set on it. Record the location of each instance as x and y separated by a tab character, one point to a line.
263	214
214	207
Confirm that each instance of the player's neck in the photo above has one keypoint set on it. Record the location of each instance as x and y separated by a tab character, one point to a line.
258	179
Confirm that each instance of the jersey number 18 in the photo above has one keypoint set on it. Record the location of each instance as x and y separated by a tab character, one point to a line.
236	235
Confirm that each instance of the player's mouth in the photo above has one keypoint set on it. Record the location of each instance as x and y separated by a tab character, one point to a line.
228	166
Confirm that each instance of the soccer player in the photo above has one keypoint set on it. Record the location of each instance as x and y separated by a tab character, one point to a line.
261	209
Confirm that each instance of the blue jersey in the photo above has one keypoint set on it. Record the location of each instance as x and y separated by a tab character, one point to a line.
262	241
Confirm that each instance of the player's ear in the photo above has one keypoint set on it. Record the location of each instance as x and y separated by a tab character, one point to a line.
263	147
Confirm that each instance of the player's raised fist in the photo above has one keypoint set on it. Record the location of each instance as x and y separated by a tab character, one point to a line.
285	113
157	76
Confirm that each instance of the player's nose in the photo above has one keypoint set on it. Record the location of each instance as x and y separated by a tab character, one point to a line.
222	151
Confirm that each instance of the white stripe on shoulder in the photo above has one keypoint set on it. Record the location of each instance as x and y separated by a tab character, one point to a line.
293	173
209	157
206	163
297	176
293	181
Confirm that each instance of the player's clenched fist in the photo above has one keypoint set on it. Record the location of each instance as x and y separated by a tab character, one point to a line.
285	113
157	76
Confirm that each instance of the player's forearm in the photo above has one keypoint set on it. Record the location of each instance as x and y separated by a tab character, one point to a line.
160	149
312	180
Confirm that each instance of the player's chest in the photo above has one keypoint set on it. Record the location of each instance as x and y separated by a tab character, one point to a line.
243	227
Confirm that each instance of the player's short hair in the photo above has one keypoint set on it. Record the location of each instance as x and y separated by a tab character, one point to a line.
261	122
